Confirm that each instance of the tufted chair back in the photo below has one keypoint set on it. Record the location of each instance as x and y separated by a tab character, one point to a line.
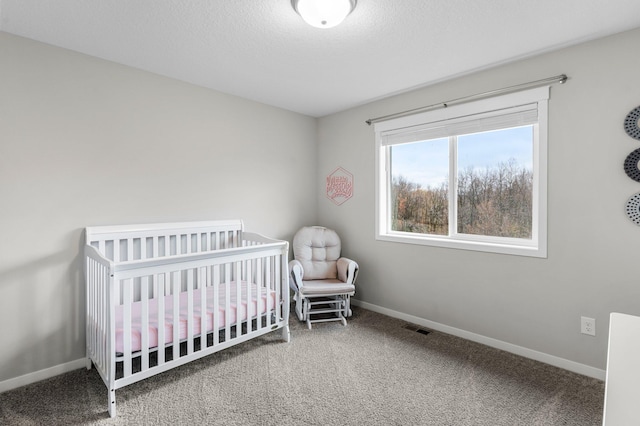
318	250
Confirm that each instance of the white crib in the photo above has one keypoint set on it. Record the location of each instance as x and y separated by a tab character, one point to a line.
138	276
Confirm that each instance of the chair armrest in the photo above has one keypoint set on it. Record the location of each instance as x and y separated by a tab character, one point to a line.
296	271
347	270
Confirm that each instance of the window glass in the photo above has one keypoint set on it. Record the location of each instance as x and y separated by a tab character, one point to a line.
420	186
495	183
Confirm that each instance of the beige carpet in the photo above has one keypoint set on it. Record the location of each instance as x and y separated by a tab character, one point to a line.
374	371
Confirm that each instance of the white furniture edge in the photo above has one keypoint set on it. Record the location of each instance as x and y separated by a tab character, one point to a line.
623	374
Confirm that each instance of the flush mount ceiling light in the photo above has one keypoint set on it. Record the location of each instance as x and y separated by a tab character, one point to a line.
323	13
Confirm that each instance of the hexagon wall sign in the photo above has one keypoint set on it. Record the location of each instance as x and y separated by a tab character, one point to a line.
339	186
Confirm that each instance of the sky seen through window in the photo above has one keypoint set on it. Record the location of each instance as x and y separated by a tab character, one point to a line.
427	163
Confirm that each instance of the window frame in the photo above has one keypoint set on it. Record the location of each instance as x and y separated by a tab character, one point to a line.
537	245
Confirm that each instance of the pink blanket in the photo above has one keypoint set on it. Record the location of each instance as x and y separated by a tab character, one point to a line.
267	303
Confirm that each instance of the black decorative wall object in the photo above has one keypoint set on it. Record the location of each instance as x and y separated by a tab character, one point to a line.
631	165
631	125
633	208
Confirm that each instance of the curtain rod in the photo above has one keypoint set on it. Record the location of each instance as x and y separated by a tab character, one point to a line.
551	80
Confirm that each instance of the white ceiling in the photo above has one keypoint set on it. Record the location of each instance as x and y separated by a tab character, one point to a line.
262	50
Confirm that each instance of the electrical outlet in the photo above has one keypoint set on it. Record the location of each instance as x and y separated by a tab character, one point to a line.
588	326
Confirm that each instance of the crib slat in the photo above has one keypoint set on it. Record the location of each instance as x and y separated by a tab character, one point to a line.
202	281
90	322
167	252
126	325
167	245
248	279
100	301
216	305
258	280
176	314
190	273
238	298
90	313
268	284
129	249
103	306
104	303
105	310
159	294
154	245
107	302
94	285
144	323
143	248
277	306
106	340
102	246
89	304
227	302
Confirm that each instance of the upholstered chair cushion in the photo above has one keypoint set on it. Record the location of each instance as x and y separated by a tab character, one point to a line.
317	249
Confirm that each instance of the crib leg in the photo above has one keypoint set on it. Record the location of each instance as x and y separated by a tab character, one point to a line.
112	403
286	334
89	364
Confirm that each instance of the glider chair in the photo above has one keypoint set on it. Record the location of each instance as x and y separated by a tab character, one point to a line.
323	282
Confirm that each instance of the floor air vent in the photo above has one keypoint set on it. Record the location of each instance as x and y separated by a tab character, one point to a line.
417	329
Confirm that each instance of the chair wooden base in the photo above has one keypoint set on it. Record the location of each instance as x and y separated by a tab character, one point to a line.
311	305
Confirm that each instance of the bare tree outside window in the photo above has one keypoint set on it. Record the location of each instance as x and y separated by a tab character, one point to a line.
494	200
497	202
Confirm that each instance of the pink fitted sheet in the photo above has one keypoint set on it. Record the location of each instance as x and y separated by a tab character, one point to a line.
266	304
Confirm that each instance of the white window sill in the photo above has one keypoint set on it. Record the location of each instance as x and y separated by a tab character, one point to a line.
450	243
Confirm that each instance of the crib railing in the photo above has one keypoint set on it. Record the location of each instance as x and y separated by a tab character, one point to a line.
132	242
176	293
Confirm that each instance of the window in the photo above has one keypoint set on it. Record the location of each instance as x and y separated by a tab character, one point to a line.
471	176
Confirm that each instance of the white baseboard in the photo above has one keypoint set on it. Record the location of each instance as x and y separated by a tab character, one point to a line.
37	376
565	364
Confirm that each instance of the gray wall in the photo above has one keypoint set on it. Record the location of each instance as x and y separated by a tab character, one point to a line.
593	256
88	142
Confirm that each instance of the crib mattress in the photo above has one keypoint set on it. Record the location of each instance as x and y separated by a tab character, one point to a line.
268	299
